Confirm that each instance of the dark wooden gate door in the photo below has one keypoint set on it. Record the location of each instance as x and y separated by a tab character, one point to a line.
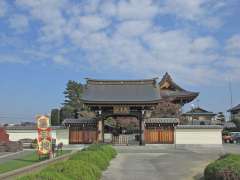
79	136
162	135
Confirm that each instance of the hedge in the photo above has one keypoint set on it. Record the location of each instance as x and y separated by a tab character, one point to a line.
84	165
226	167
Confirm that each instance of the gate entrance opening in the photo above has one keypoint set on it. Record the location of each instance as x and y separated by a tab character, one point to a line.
122	130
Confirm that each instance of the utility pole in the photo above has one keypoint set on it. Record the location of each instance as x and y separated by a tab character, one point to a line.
231	97
230	90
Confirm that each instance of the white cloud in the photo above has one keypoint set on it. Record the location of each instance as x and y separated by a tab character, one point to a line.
233	45
50	14
127	36
10	58
186	9
212	22
3	8
133	27
204	44
108	8
60	59
19	22
92	23
136	9
201	12
90	7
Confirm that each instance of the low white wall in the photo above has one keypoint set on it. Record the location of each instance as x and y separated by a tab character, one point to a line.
16	135
62	135
198	136
107	137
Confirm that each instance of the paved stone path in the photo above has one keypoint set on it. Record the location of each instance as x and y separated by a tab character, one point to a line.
15	155
156	163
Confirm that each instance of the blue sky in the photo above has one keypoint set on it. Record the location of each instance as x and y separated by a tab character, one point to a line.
45	43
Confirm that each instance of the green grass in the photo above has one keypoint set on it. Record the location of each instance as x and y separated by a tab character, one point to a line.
83	165
23	161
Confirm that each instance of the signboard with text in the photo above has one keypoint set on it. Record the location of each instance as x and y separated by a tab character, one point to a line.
44	139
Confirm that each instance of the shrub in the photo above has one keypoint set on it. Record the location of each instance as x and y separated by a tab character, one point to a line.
99	155
77	170
44	175
84	165
227	166
107	149
91	157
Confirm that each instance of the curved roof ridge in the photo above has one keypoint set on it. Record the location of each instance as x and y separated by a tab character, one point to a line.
168	78
119	81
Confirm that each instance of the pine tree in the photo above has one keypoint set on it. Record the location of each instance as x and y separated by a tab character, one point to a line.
66	112
73	95
55	117
73	106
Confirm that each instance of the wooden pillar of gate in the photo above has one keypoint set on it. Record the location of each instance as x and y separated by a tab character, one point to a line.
142	127
143	130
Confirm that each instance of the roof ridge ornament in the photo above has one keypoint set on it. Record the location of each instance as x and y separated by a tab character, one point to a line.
120	82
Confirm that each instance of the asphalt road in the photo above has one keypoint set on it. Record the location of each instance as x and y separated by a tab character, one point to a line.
156	163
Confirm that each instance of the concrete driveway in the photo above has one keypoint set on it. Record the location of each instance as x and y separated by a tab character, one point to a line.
158	163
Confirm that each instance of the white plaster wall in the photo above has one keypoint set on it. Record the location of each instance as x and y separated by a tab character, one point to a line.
16	135
198	136
107	137
62	135
54	135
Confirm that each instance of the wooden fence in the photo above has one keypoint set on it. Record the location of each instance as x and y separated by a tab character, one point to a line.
120	140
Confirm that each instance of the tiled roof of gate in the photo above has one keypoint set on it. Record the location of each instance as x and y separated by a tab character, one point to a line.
161	120
115	91
174	90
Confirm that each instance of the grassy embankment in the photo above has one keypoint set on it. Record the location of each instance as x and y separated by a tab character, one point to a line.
83	165
23	161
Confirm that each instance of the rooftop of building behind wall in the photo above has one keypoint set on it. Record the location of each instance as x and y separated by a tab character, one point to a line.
199	127
19	127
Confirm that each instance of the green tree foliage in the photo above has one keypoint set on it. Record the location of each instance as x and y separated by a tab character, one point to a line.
110	121
73	106
73	95
66	112
55	117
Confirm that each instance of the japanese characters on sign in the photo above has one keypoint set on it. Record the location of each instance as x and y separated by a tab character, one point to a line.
44	139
